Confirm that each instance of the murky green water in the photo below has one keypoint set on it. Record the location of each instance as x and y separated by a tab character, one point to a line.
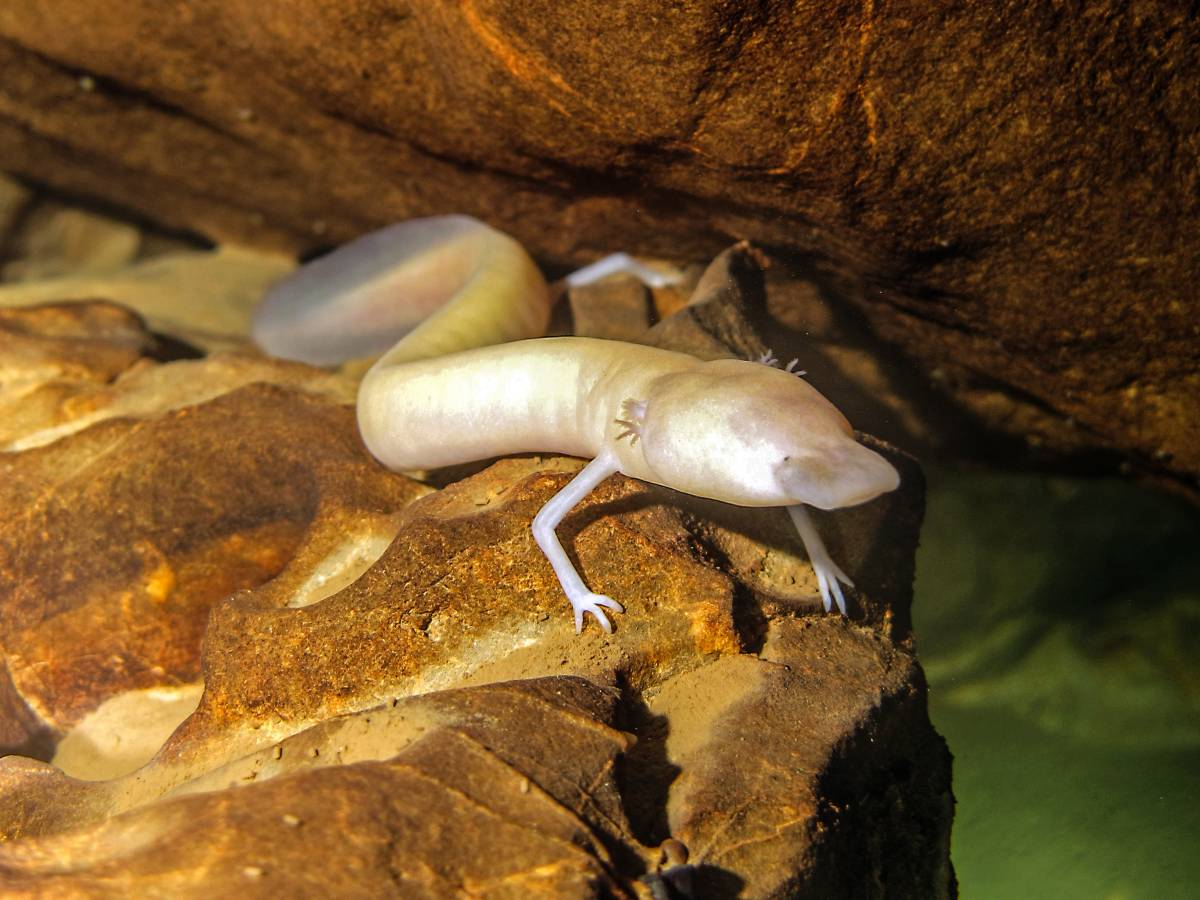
1059	623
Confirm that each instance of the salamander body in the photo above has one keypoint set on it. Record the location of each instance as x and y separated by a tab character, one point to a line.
468	383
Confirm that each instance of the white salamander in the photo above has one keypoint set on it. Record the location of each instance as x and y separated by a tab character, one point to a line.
463	385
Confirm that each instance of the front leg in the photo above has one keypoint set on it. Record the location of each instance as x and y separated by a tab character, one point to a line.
827	571
549	517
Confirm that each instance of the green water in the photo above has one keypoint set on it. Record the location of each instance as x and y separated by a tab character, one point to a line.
1059	624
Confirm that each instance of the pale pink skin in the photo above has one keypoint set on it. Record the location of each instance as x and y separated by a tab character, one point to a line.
450	392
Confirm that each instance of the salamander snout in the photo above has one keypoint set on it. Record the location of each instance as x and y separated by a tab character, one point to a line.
748	434
832	475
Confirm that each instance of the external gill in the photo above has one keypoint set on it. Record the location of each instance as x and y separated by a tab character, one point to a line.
635	417
768	359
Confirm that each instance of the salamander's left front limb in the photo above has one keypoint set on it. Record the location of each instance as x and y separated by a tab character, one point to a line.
827	571
549	517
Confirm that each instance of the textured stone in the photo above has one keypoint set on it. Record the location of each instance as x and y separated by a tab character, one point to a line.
1008	193
767	803
720	317
117	540
15	199
204	299
616	309
65	366
61	240
76	341
412	800
463	597
235	648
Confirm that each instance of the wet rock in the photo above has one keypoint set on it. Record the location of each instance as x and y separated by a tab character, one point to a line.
65	366
201	298
76	341
117	540
431	797
1018	217
233	644
616	309
463	597
14	200
769	812
720	317
57	241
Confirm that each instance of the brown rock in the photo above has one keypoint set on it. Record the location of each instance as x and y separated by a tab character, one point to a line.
724	315
411	620
201	299
768	804
412	801
65	366
1020	218
118	539
77	341
66	239
463	596
391	679
15	200
616	309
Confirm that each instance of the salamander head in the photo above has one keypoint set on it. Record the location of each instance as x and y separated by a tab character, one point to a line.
748	434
